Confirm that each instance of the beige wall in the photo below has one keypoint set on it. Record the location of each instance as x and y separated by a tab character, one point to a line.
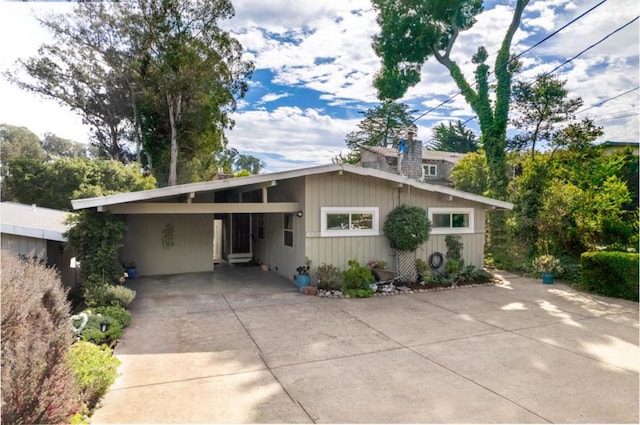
192	249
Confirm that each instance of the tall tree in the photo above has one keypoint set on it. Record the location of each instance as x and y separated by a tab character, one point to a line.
412	31
161	74
195	67
57	147
382	125
540	107
84	69
16	142
453	138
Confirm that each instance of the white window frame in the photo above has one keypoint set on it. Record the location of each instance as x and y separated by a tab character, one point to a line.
374	231
452	230
427	167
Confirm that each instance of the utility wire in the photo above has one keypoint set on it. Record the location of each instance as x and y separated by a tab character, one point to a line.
606	100
518	55
569	61
590	47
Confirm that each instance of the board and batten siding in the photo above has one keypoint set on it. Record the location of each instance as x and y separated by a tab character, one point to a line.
348	190
23	245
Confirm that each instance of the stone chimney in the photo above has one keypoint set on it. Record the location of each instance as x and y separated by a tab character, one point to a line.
412	162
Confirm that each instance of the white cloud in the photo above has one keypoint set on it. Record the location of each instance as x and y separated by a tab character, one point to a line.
326	47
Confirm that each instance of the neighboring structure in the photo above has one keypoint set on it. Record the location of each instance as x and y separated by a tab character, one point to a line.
418	163
327	214
612	146
32	231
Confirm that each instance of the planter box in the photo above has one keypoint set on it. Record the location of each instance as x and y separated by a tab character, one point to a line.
383	275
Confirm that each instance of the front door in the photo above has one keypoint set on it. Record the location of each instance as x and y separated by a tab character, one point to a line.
240	231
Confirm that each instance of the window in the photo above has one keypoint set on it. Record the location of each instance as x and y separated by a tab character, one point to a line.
288	230
349	221
430	170
451	220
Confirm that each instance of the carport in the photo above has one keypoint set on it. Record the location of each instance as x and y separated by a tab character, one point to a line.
190	228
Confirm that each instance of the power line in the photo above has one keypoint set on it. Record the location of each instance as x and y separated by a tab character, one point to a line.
518	55
591	47
607	100
565	62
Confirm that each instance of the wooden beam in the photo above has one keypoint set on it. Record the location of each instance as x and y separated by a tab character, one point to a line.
203	208
257	186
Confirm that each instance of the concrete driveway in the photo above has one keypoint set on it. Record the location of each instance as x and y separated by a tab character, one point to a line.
241	346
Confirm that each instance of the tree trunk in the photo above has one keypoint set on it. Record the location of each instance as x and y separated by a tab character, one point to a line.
174	103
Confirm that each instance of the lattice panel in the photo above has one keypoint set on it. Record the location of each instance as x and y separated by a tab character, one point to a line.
406	265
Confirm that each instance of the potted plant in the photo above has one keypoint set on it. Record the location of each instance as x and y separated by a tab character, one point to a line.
380	270
548	266
302	278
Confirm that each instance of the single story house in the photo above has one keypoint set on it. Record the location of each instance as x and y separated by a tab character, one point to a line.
33	231
611	146
324	214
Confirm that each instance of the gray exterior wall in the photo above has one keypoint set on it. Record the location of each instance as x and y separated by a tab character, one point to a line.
357	191
52	251
192	249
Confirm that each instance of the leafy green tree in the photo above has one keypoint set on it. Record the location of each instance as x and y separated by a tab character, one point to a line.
383	125
84	68
539	108
191	68
453	138
54	184
471	173
164	75
16	142
412	32
56	147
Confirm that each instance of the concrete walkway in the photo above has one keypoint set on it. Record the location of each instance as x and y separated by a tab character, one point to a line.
241	346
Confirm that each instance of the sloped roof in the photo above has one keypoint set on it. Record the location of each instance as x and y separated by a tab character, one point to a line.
238	182
32	221
427	155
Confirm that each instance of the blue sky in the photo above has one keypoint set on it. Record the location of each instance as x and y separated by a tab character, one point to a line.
315	65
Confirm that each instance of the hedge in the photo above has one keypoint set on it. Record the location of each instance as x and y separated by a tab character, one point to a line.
609	273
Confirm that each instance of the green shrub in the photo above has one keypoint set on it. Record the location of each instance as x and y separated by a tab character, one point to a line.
329	277
92	331
98	293
407	227
95	369
117	313
37	383
356	280
613	274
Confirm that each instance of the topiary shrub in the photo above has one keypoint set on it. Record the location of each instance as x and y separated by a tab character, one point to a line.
407	227
95	369
613	274
37	384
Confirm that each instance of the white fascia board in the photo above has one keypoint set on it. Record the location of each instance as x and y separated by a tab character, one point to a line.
429	187
144	195
32	232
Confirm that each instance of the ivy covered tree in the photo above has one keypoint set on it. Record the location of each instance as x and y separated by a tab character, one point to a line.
411	32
